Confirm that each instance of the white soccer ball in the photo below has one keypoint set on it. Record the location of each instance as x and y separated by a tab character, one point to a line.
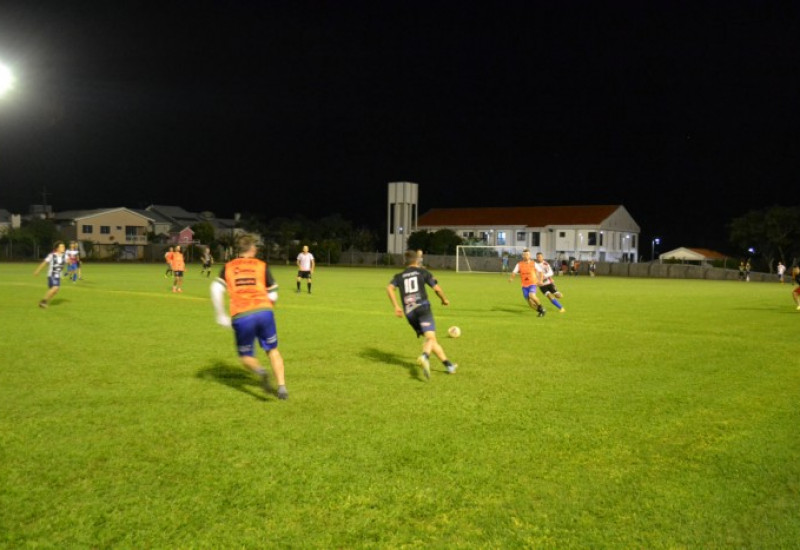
454	332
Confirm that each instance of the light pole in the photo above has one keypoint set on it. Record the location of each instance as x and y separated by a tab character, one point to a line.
653	249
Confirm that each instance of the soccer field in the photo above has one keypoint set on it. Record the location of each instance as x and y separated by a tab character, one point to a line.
654	413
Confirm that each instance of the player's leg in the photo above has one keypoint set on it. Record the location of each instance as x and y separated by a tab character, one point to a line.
299	278
276	361
267	334
433	346
308	283
54	287
554	301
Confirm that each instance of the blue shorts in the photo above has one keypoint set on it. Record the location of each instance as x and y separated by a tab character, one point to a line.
258	325
421	319
53	281
72	267
528	290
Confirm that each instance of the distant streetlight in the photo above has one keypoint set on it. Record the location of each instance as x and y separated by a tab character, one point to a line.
6	80
653	248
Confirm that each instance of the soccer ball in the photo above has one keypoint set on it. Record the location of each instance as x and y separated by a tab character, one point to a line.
454	332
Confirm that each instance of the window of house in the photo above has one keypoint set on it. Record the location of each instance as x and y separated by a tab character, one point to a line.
592	238
87	228
562	234
501	237
535	236
521	237
601	238
105	229
633	241
468	234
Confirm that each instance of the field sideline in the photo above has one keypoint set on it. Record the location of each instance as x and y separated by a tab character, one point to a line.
654	413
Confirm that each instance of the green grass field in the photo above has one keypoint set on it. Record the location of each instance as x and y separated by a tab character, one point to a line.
652	414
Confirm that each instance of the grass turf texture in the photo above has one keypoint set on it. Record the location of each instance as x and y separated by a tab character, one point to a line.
652	414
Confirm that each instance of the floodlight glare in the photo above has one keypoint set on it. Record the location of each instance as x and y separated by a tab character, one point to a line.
6	79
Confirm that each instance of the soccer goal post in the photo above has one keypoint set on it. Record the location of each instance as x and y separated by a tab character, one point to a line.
487	259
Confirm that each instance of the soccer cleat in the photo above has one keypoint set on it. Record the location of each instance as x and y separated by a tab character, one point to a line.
451	369
562	310
43	304
174	289
283	393
542	313
798	307
426	366
180	290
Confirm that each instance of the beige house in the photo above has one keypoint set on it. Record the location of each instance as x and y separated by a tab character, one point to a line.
111	231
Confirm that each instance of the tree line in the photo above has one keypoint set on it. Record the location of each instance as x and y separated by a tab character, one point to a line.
763	236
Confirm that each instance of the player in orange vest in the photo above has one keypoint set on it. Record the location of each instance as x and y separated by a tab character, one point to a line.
252	291
530	278
178	266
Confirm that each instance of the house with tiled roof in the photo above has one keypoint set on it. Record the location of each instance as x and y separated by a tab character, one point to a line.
173	221
684	255
605	233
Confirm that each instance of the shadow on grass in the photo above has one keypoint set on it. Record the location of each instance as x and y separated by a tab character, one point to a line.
233	377
507	309
386	358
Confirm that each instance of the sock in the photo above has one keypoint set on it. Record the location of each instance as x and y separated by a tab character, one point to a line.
309	288
425	355
540	309
447	363
556	303
298	286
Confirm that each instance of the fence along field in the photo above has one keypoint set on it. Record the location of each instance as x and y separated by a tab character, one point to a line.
654	413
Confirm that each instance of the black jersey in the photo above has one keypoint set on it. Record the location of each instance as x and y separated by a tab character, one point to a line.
411	283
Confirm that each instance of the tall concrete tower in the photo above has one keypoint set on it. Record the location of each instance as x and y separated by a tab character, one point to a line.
402	215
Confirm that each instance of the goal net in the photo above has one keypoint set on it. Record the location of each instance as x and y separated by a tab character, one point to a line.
487	259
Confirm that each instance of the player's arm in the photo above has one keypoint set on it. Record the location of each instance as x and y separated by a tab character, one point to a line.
40	267
218	290
313	264
440	293
513	273
390	290
272	286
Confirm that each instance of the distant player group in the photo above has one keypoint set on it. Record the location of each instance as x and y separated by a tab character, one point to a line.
537	274
59	260
253	292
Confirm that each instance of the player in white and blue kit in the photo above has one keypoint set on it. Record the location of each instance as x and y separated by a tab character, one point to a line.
56	261
73	261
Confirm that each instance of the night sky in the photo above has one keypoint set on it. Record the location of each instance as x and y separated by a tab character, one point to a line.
684	112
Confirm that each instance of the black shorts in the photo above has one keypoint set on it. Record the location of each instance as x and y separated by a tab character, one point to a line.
304	274
548	288
421	319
